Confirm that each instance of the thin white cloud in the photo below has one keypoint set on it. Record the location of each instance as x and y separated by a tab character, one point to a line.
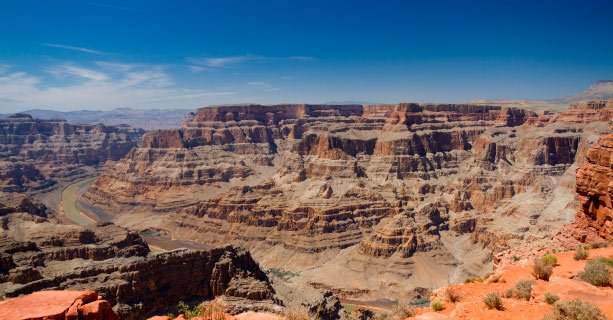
84	73
114	85
73	48
221	62
263	86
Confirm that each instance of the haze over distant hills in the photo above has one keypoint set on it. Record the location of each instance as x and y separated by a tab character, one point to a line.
140	118
600	90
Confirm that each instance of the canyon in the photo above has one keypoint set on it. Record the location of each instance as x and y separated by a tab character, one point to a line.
395	197
274	202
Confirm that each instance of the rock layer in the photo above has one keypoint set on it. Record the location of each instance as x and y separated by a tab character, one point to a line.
405	182
36	254
595	189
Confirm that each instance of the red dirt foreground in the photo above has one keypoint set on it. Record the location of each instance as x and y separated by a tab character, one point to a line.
57	305
243	316
561	283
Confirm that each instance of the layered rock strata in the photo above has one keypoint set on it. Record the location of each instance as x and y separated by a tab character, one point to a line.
34	153
36	254
352	185
595	190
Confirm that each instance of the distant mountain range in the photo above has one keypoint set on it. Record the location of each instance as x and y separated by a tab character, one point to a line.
140	118
171	118
601	90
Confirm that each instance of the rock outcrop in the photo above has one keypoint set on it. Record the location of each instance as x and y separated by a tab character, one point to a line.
444	186
57	305
34	152
595	191
37	254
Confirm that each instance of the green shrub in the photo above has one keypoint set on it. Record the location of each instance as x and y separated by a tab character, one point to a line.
437	305
580	253
523	289
542	268
550	259
493	301
607	261
597	245
551	298
596	272
576	310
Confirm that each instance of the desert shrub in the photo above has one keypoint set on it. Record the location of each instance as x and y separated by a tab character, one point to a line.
437	305
576	310
523	289
550	259
297	313
170	315
551	298
542	269
607	261
184	308
493	301
282	273
597	245
497	278
580	253
473	279
451	295
403	311
421	302
509	293
596	272
516	258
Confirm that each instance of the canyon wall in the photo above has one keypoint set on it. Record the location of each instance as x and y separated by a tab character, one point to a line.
35	153
37	254
392	190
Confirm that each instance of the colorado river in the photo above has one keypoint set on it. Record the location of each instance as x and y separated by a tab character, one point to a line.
85	214
69	204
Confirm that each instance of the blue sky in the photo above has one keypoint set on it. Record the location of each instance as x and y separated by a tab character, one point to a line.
101	54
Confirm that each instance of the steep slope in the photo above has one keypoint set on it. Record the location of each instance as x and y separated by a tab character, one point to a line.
37	254
37	154
416	195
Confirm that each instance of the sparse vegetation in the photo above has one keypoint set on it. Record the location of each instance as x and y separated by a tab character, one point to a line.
473	279
297	313
403	311
497	278
607	261
284	274
596	272
575	310
509	293
523	289
493	301
451	295
596	245
543	267
551	298
421	302
209	310
550	259
437	305
515	258
580	253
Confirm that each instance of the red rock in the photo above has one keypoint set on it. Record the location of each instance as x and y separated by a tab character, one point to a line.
57	305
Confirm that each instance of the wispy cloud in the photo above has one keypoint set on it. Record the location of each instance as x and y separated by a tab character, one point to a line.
222	62
84	73
73	48
112	6
102	85
263	86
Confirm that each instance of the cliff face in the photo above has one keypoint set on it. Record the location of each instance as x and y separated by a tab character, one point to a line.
395	182
595	189
33	152
36	254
